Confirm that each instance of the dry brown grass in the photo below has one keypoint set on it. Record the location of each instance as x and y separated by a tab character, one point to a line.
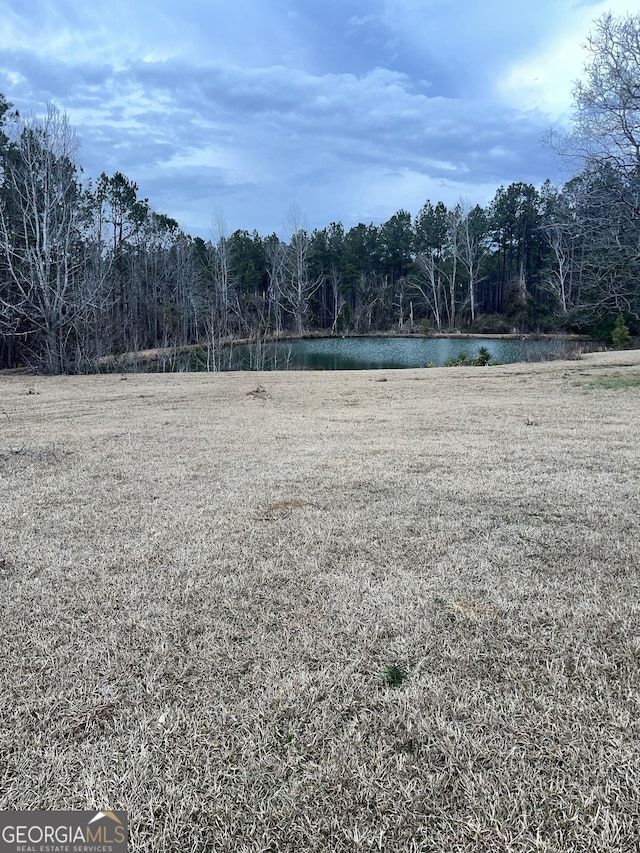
204	584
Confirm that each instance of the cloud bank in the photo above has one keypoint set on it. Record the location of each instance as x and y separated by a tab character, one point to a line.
351	110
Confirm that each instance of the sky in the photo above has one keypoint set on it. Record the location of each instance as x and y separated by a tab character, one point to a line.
237	111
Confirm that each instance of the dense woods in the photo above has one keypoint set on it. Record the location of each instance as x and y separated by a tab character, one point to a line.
89	269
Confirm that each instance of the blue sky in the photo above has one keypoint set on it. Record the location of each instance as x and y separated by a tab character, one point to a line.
348	109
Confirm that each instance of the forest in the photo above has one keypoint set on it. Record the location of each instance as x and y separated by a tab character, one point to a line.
88	269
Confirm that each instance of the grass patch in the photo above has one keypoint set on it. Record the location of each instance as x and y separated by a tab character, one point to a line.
305	624
394	676
614	383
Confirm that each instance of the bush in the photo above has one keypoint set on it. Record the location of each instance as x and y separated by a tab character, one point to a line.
491	324
547	324
582	321
483	357
198	359
621	336
462	359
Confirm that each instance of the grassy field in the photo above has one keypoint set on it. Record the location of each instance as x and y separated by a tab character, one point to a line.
387	610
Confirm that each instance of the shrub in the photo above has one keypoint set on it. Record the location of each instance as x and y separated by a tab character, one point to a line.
621	335
199	359
462	359
483	357
491	324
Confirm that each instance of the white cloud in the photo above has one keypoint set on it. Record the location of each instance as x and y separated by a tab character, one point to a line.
544	81
545	78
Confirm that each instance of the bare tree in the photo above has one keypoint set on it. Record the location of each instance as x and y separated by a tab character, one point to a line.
298	287
222	273
40	226
337	297
428	283
454	223
559	280
596	248
276	270
467	237
607	100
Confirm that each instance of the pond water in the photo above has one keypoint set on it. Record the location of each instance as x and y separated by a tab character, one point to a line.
378	352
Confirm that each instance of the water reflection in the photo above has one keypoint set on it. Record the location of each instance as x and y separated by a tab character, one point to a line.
380	353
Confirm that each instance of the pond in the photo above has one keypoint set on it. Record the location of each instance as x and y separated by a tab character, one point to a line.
370	353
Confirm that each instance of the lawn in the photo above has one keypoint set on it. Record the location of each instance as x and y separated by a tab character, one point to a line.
386	610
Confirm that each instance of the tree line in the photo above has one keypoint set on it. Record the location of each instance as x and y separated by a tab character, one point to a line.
89	269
